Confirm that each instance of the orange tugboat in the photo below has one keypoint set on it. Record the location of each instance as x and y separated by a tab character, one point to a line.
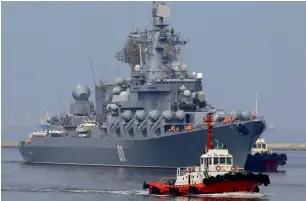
216	174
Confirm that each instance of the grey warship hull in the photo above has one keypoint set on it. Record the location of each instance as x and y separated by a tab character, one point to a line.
175	150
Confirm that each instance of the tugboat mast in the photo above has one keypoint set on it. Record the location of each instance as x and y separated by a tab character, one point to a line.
209	120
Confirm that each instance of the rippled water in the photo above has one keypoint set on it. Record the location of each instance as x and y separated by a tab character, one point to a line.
64	182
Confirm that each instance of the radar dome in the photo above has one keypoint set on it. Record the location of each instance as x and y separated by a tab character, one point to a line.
168	114
154	114
184	67
116	90
137	68
201	95
128	80
217	115
140	114
199	76
180	114
127	114
246	114
187	92
113	106
119	81
81	93
234	113
124	96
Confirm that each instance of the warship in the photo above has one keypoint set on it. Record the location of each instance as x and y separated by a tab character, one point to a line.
154	118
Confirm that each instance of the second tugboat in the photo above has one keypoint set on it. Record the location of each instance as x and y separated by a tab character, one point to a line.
216	174
261	159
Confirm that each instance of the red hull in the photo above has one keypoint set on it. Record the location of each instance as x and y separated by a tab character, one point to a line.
221	187
271	165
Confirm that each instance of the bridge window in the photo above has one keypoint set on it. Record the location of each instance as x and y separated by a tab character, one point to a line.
264	146
259	146
228	161
222	161
216	161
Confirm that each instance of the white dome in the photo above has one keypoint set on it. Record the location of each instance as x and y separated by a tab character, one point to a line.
168	114
116	90
199	76
127	114
119	81
137	68
187	92
184	67
124	95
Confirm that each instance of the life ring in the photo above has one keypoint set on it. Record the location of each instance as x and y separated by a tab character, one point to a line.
218	168
233	168
189	169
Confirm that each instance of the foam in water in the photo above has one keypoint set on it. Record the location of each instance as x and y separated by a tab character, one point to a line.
122	192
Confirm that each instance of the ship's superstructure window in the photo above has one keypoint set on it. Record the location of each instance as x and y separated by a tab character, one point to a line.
222	161
228	161
216	161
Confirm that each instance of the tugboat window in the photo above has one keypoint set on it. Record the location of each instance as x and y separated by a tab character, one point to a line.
264	146
216	161
222	160
228	161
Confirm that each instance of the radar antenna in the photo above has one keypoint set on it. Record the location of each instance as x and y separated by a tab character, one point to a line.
93	73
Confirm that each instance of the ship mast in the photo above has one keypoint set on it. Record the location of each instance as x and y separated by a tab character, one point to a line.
209	120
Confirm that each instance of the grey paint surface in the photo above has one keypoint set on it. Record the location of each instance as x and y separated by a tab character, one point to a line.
176	150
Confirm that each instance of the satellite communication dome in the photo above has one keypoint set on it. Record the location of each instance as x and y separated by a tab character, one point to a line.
137	68
140	114
168	114
187	92
184	67
128	80
154	114
180	114
199	76
119	81
81	93
127	114
116	90
201	95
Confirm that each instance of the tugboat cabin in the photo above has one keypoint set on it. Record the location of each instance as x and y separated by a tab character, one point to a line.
214	162
260	146
217	161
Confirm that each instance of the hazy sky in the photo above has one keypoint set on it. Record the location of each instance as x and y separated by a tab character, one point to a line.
240	48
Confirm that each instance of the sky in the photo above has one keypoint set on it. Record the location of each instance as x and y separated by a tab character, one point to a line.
240	47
